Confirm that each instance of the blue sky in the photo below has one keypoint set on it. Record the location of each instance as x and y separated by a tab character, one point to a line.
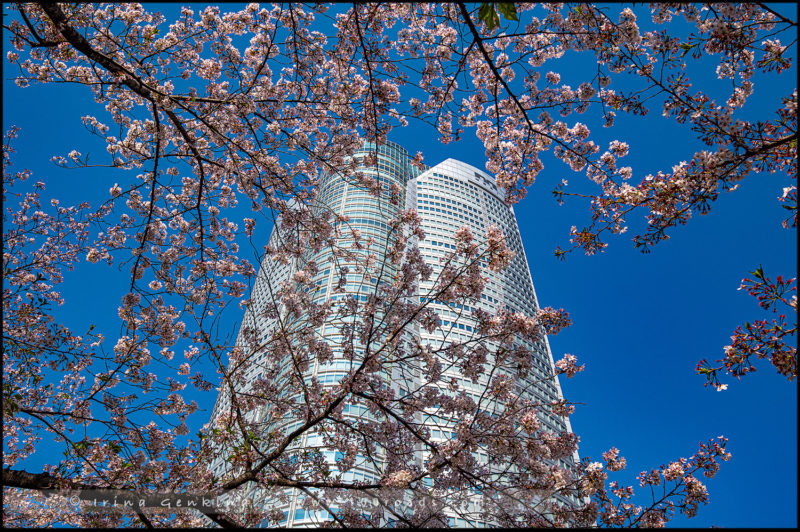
640	321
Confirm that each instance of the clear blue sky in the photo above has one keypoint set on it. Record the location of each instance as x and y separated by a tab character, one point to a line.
640	321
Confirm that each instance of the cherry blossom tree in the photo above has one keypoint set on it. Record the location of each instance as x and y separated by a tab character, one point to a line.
217	111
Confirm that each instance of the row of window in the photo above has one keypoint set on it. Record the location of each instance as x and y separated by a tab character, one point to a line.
455	325
442	199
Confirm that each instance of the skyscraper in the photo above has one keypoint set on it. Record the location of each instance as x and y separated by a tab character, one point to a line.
358	265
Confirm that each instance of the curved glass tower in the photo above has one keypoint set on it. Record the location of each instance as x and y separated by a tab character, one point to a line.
347	273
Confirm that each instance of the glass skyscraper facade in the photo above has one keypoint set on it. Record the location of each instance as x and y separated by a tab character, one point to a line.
447	196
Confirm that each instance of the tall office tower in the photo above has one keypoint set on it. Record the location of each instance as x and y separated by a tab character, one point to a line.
278	350
451	195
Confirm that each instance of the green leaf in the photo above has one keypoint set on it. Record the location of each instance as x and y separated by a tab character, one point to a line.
508	10
488	15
